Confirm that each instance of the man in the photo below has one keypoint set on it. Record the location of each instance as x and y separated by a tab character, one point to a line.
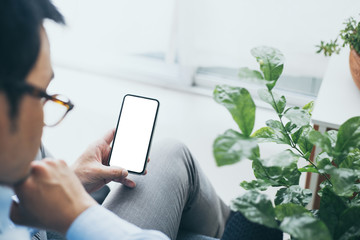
53	196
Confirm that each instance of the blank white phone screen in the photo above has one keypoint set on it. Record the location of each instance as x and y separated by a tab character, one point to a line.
134	132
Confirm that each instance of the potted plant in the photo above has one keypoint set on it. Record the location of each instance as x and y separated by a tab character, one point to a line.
350	36
339	161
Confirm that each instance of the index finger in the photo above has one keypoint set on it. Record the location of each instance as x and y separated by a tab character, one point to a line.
37	167
109	136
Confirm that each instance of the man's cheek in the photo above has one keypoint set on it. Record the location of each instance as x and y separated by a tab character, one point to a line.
31	125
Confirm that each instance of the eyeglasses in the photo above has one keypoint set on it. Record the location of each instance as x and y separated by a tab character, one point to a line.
56	106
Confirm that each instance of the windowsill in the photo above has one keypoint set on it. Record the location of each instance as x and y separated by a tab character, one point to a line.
169	76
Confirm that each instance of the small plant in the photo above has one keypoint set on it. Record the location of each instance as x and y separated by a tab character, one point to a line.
350	36
339	161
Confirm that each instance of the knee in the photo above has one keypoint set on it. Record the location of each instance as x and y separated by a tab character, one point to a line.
174	152
175	147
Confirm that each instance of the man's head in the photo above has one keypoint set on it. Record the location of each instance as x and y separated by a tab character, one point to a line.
24	60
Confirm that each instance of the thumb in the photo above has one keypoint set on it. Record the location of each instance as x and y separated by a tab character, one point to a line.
113	172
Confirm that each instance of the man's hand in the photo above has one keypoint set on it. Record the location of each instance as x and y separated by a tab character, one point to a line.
51	197
92	166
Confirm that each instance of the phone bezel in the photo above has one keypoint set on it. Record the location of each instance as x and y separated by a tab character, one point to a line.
151	135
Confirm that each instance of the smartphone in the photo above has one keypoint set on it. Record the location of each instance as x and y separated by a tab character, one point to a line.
134	131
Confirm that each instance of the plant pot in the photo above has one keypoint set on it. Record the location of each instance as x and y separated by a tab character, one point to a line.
354	61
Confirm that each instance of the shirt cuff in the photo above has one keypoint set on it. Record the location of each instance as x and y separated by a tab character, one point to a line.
97	222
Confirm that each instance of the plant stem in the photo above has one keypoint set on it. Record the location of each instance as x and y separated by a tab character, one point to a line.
292	144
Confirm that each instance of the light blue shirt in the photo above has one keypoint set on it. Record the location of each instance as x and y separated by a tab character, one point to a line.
99	223
7	229
94	223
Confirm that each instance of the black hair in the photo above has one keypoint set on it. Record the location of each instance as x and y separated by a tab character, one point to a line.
20	24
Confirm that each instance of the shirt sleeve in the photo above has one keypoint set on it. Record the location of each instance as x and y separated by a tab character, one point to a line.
99	223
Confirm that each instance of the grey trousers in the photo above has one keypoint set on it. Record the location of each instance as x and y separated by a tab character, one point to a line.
175	194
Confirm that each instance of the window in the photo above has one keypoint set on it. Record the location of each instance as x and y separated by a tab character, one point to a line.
198	43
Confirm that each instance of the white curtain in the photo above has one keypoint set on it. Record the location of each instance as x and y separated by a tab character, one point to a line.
222	32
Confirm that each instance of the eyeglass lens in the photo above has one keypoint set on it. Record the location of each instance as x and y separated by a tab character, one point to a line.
54	112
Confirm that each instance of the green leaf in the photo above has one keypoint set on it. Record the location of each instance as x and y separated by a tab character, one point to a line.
355	202
290	127
352	160
348	138
357	172
353	233
256	207
323	160
265	133
305	227
332	135
323	185
254	76
280	136
260	172
294	194
259	184
271	62
280	170
278	103
232	146
331	207
309	107
276	125
289	210
349	224
303	141
315	212
309	168
248	74
240	104
321	141
297	134
321	157
343	180
284	159
298	116
271	84
307	155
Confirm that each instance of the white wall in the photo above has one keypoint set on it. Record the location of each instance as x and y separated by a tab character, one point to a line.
221	33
